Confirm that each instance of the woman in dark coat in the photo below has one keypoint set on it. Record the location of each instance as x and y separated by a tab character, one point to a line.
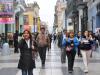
26	62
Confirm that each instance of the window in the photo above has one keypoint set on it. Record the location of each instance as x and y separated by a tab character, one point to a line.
98	7
9	28
26	20
93	0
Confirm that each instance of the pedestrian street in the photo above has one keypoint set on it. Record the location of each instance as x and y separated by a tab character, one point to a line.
8	64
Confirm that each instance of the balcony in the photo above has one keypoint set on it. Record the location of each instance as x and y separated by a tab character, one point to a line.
81	4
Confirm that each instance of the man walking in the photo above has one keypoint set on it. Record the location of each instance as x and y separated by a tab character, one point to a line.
42	42
15	37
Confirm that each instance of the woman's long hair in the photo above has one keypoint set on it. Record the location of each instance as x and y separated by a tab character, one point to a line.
30	35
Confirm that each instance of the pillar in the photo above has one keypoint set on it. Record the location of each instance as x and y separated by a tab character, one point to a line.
80	16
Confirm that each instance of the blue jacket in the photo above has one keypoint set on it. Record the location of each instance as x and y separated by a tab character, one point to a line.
66	42
75	41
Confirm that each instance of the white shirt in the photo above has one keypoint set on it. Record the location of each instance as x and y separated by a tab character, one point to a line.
28	43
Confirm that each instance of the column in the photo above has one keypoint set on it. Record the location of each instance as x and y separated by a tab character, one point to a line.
80	16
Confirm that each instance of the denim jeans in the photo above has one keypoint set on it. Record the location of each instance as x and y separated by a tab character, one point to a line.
25	72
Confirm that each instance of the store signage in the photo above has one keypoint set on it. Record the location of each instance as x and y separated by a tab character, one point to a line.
6	12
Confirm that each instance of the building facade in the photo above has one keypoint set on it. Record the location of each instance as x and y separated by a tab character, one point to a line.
17	17
59	21
31	17
77	12
93	15
83	15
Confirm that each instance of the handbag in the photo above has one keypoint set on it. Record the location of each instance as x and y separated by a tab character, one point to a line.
69	48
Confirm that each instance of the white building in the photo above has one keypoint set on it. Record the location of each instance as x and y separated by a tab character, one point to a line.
60	15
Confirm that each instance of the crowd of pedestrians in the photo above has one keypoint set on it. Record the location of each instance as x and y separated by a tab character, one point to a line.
71	44
82	44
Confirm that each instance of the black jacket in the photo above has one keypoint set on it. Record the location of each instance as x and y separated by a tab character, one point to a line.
25	61
86	45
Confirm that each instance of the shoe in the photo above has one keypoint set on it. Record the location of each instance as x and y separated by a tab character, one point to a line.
70	71
80	55
43	66
86	70
63	62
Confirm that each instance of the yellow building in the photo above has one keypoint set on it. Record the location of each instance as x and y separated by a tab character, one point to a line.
31	17
28	18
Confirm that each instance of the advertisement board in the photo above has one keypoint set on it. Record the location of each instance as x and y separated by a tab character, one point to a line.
6	7
7	20
6	12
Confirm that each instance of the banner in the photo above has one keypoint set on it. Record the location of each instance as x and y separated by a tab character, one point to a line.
6	12
7	20
6	7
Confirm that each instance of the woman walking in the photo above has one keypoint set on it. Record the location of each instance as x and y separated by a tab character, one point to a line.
85	48
26	62
71	46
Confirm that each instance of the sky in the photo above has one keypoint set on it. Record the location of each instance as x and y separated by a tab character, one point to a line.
47	10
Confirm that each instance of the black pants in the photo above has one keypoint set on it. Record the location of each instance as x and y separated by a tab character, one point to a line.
16	47
71	57
42	54
79	52
63	55
25	72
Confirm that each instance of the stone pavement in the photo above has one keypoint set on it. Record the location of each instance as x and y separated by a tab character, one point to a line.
8	64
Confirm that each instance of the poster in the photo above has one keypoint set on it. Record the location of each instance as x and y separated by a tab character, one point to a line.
6	7
6	12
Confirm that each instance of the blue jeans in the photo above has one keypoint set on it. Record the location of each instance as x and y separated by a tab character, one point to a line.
24	72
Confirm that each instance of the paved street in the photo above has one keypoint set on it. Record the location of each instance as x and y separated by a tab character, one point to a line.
8	64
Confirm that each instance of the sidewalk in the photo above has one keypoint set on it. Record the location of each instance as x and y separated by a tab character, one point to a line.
8	64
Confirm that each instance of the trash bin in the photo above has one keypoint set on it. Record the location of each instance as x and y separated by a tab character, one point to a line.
5	49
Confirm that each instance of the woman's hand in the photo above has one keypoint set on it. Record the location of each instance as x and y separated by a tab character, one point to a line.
32	47
72	44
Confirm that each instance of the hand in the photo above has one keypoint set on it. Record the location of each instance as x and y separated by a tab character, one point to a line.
72	44
81	42
32	47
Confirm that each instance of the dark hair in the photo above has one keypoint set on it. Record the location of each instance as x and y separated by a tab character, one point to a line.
30	36
84	34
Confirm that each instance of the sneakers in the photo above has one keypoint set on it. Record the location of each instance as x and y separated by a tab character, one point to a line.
86	70
43	66
70	71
